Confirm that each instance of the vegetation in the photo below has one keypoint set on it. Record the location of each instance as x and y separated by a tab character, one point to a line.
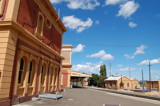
98	80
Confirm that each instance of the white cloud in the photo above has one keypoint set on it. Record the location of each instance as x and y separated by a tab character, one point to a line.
132	24
87	67
56	1
127	9
79	48
112	2
119	65
102	55
146	62
139	50
155	72
157	77
82	4
129	57
107	57
127	69
76	24
99	54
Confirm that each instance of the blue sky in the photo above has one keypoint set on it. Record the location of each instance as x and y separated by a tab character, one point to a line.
125	33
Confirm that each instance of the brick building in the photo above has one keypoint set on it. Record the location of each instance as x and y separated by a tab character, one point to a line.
153	85
118	82
30	49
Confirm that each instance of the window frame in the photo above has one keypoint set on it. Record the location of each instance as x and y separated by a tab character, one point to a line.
50	25
42	27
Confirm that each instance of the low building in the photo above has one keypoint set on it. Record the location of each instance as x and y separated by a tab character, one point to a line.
79	79
153	85
118	82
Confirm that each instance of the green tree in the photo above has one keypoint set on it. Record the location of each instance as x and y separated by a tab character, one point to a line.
93	80
103	70
103	75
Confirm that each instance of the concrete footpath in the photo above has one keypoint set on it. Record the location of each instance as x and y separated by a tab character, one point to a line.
129	93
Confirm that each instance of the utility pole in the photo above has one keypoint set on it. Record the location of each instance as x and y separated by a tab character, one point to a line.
150	75
142	81
129	72
110	64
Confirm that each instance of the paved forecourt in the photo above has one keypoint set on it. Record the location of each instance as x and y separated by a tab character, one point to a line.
90	97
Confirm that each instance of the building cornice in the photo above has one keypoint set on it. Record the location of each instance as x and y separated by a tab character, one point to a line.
51	13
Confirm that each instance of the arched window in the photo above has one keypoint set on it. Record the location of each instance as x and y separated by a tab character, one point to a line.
51	75
30	72
42	75
40	24
21	68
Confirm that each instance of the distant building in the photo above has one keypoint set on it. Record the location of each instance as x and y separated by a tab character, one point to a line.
30	50
118	82
69	77
153	85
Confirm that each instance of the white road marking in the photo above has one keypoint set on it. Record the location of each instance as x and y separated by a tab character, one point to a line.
130	97
70	99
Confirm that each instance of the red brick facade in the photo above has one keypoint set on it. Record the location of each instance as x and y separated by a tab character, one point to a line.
27	18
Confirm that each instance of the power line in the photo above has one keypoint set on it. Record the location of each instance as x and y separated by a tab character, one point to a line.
117	45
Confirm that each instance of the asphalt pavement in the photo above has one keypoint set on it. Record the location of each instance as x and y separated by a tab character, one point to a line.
91	97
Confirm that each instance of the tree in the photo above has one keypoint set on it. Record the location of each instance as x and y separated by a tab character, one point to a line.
98	80
93	80
103	70
102	77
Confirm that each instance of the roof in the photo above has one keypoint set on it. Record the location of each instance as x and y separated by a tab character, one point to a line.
133	79
113	78
77	74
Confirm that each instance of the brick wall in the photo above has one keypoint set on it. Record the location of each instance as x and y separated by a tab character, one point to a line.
27	18
65	78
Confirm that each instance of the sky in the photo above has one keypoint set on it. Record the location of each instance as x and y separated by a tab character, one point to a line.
123	33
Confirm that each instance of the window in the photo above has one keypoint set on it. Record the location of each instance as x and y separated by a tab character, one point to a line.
42	75
40	23
42	72
127	84
48	23
21	68
51	75
30	72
